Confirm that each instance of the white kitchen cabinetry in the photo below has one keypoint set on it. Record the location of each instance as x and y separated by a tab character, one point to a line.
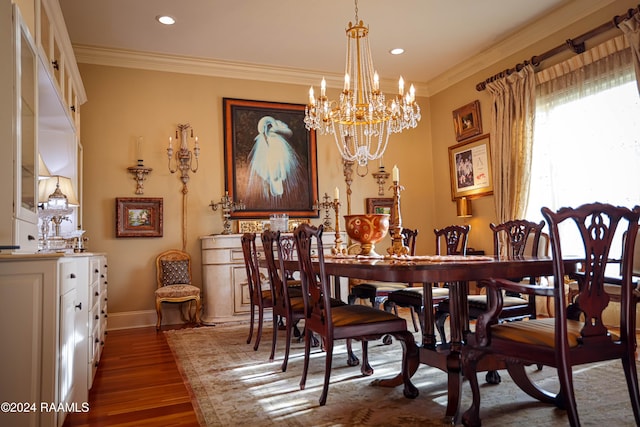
225	291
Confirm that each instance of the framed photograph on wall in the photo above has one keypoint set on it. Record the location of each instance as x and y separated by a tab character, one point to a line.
467	121
470	168
138	217
270	159
380	205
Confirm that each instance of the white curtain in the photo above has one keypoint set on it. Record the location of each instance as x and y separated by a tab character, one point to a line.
512	118
631	29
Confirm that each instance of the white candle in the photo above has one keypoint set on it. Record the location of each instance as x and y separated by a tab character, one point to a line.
197	146
336	194
347	81
312	99
170	144
401	86
396	173
323	87
376	81
139	148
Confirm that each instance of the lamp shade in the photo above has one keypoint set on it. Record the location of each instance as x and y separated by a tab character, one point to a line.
46	187
43	170
463	207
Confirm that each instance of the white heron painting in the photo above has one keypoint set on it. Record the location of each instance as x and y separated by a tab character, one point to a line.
273	158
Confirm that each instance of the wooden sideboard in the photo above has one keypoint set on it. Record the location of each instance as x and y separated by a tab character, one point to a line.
224	280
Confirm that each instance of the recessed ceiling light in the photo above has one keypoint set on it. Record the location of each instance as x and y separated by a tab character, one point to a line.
165	19
397	51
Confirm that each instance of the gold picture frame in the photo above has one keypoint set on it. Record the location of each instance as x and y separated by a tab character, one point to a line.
379	205
467	121
138	217
470	168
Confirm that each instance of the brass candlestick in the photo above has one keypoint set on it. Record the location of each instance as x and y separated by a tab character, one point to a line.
397	244
228	205
338	248
327	205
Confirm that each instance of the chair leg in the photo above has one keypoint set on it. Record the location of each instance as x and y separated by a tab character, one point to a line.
274	338
414	317
471	417
631	374
307	350
251	320
327	371
366	368
159	314
567	398
287	346
441	318
352	359
260	321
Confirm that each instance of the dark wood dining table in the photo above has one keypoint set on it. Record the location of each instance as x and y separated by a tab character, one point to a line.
456	271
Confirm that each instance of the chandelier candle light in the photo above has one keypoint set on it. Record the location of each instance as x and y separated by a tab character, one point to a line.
362	119
397	244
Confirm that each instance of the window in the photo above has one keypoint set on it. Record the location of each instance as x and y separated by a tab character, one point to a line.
586	144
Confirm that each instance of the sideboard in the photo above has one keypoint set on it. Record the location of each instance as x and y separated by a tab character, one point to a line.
224	280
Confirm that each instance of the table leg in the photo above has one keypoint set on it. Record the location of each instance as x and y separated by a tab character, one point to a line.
428	328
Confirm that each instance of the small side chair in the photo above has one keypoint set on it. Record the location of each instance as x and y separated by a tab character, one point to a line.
173	277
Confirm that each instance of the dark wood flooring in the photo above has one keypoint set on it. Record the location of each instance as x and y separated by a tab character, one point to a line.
137	384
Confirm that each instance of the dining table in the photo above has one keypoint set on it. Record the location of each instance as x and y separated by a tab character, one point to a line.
454	270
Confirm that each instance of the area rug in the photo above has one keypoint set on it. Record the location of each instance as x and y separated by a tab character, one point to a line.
232	385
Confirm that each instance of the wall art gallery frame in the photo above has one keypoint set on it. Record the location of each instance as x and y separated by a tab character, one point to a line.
270	159
470	168
379	205
467	121
139	217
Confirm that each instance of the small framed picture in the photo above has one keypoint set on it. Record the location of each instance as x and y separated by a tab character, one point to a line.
380	205
470	168
138	217
467	121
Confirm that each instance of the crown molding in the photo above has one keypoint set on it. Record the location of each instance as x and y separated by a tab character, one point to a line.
215	68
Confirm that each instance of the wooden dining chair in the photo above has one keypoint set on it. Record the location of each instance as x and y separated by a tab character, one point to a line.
453	239
287	301
360	322
515	236
259	291
377	292
564	341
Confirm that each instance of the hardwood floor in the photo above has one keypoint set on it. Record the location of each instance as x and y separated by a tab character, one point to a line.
137	384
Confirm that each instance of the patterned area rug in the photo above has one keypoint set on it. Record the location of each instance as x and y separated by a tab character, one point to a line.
233	385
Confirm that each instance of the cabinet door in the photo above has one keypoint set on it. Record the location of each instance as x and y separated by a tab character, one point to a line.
67	345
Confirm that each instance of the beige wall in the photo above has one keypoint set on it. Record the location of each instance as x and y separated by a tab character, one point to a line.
126	103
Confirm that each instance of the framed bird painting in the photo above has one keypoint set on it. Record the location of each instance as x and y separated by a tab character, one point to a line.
271	161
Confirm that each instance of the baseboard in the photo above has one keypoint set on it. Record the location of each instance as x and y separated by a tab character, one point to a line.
143	318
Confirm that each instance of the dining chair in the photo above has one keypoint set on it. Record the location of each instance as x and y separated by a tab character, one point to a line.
378	292
259	291
454	238
565	341
360	322
288	304
173	280
511	239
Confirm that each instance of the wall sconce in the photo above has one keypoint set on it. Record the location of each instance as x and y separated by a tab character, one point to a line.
381	178
463	207
139	171
184	157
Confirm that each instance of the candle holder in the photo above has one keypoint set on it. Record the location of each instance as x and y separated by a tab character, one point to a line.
139	172
395	227
327	205
381	178
338	248
228	206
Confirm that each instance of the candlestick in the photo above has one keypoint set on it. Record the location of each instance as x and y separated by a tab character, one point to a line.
327	205
338	248
395	224
228	205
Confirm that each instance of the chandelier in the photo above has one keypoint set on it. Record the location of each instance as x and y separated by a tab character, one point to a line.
362	119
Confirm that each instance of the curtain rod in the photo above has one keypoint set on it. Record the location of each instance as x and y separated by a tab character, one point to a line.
576	45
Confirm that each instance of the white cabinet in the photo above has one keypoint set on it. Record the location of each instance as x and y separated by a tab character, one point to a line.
38	306
225	291
48	329
18	120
